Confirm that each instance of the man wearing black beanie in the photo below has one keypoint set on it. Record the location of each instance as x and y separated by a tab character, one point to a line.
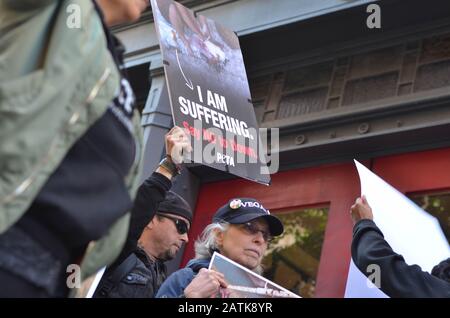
159	224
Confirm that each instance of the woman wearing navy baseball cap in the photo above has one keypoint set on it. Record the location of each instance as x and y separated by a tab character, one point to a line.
240	230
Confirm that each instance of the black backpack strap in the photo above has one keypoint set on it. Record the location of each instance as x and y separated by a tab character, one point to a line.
112	279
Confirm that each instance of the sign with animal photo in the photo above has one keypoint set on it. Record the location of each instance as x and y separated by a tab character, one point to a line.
244	283
208	91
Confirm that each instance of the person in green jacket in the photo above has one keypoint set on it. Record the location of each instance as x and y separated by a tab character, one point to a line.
70	142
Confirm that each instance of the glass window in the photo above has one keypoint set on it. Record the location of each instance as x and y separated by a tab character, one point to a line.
438	205
292	260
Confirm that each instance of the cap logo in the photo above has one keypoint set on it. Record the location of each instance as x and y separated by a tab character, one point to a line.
235	204
252	204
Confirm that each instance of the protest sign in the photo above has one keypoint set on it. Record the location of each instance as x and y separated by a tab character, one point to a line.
209	92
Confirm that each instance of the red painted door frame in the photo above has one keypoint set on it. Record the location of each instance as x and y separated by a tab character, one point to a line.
416	172
336	186
333	185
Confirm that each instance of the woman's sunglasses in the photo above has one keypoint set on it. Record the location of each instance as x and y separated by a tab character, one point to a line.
253	229
182	226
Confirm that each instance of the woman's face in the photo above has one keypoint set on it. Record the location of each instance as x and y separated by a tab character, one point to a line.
122	11
245	243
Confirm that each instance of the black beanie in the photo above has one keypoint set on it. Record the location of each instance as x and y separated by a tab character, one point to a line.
175	204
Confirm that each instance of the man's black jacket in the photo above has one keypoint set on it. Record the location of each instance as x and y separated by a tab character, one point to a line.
140	279
134	274
398	279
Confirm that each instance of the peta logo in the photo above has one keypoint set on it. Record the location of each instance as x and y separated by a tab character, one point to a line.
224	159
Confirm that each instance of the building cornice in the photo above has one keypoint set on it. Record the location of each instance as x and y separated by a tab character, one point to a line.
147	16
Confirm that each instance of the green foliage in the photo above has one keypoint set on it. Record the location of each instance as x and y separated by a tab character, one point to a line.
304	228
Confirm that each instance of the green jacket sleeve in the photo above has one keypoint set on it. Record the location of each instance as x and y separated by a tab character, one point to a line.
25	5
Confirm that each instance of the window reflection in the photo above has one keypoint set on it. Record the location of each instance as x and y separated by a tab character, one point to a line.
292	260
438	205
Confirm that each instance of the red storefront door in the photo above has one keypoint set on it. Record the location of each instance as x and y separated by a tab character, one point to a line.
334	187
427	171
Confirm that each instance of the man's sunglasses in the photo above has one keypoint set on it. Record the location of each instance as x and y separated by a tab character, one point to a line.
182	226
253	229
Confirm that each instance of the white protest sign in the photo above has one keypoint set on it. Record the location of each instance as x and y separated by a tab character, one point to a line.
409	230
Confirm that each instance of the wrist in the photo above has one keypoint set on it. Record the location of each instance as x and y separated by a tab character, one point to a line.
166	173
168	167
